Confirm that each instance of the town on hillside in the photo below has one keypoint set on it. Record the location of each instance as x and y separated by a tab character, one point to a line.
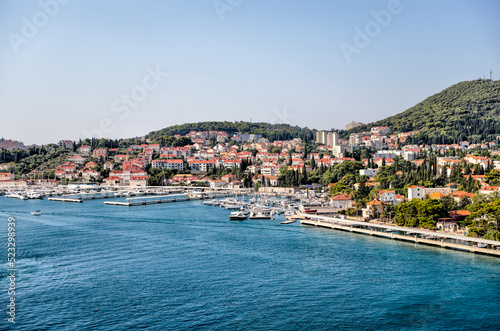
372	175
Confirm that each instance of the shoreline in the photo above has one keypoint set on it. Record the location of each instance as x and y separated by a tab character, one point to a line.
355	227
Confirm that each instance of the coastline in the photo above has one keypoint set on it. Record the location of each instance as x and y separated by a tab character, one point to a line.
443	240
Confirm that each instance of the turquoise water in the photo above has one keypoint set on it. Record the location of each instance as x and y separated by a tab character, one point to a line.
185	266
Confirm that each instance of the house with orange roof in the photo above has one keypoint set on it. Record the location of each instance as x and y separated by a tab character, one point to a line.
229	178
458	195
489	189
113	181
90	165
373	209
416	192
6	176
342	201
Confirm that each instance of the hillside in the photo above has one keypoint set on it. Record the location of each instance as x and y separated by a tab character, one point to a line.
465	111
270	131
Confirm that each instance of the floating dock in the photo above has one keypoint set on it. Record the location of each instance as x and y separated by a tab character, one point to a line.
64	199
468	244
81	197
152	200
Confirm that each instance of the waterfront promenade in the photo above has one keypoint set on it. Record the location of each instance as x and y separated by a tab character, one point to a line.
419	236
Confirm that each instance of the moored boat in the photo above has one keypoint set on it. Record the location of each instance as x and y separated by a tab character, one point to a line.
237	215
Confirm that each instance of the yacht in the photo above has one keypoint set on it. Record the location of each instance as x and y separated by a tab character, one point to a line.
34	195
237	215
260	214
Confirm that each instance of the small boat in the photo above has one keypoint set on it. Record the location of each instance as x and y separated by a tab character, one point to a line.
36	213
482	245
260	215
237	215
289	221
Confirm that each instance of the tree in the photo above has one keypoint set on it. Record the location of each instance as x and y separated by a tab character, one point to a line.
493	177
448	203
418	213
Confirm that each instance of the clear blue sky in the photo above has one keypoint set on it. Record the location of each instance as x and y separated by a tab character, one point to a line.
269	61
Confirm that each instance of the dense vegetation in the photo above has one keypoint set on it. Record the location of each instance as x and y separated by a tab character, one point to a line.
465	111
270	131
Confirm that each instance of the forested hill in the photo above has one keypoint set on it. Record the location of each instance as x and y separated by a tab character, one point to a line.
270	131
465	111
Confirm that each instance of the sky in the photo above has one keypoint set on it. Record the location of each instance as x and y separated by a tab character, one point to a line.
123	68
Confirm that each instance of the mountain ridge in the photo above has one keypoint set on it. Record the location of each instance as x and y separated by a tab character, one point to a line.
468	110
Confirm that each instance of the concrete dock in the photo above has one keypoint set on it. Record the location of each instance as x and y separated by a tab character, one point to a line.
64	199
150	200
462	243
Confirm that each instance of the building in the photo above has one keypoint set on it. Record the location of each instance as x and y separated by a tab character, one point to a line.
416	192
100	153
65	143
368	172
355	139
321	137
168	164
138	181
6	176
388	197
341	201
332	139
353	125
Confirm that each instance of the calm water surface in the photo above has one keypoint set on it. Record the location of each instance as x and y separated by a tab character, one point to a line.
185	266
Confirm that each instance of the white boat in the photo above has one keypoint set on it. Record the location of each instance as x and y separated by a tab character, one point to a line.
237	215
34	195
261	214
233	206
36	213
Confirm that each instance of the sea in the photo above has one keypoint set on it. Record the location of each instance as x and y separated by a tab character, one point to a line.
186	266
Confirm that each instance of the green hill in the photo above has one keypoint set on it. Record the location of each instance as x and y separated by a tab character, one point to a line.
270	131
465	111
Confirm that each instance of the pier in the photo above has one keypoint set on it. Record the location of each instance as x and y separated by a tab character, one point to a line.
150	200
80	197
419	236
64	199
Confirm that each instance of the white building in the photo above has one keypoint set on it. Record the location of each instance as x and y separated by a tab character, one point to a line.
416	192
